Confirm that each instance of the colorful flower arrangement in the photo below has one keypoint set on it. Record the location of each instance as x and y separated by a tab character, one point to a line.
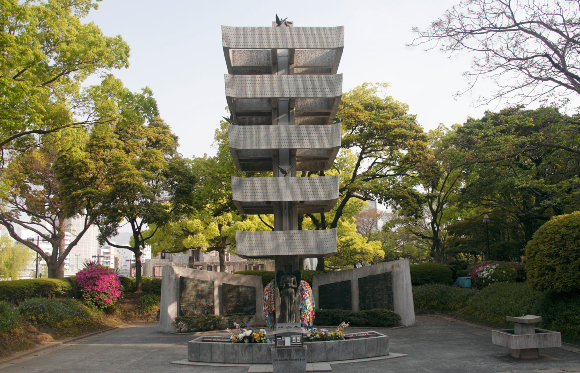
247	335
315	335
490	272
269	304
99	285
307	307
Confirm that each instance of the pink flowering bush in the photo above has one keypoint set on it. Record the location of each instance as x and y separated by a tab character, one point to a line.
99	285
490	272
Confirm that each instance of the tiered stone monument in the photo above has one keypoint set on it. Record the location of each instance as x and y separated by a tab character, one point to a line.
283	93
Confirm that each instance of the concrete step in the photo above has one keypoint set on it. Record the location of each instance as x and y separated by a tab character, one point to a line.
310	367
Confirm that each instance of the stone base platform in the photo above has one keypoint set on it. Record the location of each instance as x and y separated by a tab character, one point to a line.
355	346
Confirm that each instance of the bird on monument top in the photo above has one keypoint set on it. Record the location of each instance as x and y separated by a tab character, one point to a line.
285	170
284	21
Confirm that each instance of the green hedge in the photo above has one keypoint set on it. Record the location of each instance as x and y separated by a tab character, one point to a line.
441	298
9	316
268	276
197	323
19	290
430	273
149	285
553	255
562	313
149	302
371	318
55	312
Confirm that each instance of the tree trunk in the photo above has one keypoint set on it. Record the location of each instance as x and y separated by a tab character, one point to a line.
138	280
55	270
222	255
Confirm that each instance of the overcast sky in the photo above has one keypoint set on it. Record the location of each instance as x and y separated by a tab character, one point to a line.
176	50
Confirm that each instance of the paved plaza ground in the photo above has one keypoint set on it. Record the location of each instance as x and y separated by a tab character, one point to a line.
433	344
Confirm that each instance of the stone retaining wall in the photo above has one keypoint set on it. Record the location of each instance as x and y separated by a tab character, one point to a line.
259	353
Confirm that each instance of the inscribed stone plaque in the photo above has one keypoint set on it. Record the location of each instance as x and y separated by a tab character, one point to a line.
376	291
238	299
195	297
336	296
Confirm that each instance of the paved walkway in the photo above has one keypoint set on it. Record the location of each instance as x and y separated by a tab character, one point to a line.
433	344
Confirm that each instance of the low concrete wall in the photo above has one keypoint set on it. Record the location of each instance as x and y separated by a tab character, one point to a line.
401	282
170	293
542	338
259	353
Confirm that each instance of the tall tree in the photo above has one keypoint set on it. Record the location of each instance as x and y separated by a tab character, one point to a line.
36	199
134	152
529	49
45	55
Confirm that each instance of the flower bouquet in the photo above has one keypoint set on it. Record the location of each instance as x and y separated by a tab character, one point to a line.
247	335
315	335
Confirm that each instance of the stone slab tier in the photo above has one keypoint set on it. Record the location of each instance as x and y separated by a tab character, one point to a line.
314	99
312	50
269	244
254	148
258	195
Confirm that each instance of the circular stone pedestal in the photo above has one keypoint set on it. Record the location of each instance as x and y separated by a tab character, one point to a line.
354	346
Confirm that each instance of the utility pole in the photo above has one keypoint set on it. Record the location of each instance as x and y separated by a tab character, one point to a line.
99	258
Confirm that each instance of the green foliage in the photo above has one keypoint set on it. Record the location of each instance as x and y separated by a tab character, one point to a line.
553	255
431	273
458	268
561	312
441	298
55	312
371	318
502	299
9	316
19	290
197	323
149	302
268	276
150	285
14	257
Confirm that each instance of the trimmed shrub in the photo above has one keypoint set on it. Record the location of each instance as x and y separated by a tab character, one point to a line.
55	312
9	316
490	272
553	255
99	285
430	273
149	302
441	298
197	323
458	268
17	291
562	313
502	299
149	285
372	318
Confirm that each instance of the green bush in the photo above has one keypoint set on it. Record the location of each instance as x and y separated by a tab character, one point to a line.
371	318
149	302
458	268
502	299
149	285
9	316
553	255
55	312
238	319
268	276
19	290
197	323
441	298
430	273
562	313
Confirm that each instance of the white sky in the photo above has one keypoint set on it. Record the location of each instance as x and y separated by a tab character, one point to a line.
176	50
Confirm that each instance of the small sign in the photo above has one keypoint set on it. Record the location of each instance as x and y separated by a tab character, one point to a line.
289	339
215	338
289	327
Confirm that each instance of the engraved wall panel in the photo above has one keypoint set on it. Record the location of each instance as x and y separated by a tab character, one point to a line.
284	137
376	291
268	189
335	296
195	297
272	86
282	37
238	299
273	243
